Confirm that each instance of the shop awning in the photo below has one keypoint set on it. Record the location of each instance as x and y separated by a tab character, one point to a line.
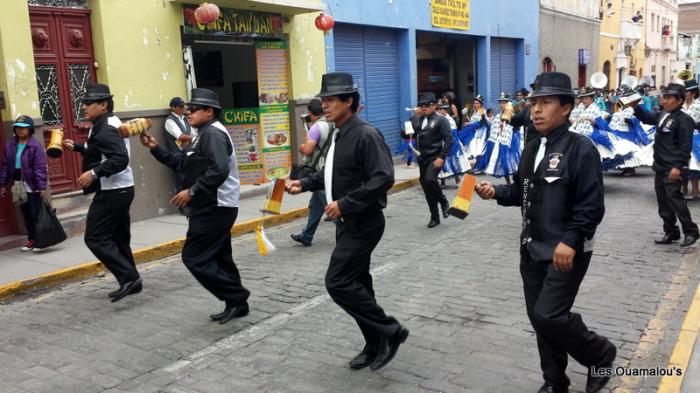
284	7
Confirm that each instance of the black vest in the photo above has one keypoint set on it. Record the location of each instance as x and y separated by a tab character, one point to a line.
170	140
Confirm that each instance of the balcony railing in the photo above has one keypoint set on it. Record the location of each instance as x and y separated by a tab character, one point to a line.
631	30
668	43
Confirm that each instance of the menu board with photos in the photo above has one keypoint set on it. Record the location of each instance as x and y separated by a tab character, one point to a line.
244	127
273	97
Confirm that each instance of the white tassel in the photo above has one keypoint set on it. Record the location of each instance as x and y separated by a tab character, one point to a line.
265	246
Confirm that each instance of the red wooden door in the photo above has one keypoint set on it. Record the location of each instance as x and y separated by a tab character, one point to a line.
7	210
63	55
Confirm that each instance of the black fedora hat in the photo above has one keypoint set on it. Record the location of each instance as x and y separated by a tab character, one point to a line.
533	85
204	97
675	89
426	98
479	98
97	92
336	83
552	84
586	93
691	84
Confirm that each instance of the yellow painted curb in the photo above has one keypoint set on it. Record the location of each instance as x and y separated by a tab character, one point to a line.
162	250
680	357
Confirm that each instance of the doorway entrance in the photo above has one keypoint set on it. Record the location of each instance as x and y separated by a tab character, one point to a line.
64	61
446	62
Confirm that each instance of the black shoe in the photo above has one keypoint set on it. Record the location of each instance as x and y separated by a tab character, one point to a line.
363	359
547	388
299	239
433	223
668	239
390	347
595	383
689	240
129	288
231	312
445	207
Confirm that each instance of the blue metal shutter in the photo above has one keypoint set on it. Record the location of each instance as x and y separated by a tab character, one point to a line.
349	50
495	72
504	54
509	54
371	55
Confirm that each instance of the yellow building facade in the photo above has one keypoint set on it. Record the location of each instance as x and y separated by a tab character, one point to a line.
622	43
51	49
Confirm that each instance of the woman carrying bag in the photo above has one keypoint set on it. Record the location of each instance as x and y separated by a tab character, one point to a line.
24	172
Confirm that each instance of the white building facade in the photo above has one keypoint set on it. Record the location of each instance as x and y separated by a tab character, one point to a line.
661	29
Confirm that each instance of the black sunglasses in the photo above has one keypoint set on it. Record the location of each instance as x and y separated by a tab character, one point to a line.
194	108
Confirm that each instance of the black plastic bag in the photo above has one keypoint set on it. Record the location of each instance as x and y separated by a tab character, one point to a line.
49	230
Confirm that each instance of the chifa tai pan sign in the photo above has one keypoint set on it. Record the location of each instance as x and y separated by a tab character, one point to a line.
450	14
234	23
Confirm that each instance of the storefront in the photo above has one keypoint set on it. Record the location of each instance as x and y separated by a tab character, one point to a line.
265	71
243	57
395	50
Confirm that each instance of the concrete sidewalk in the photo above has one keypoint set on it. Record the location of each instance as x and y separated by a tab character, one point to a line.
148	236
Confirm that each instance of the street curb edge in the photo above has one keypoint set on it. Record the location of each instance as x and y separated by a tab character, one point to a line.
158	251
683	350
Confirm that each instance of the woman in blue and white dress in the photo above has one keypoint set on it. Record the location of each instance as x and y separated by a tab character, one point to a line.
502	154
474	134
591	123
625	125
457	162
691	106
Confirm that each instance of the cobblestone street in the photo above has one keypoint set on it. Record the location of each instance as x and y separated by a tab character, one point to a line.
456	287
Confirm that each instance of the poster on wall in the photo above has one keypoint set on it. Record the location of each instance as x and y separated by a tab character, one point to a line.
450	14
273	97
244	127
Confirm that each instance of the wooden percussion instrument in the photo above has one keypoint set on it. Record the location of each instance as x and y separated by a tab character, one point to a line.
135	127
462	202
55	147
273	202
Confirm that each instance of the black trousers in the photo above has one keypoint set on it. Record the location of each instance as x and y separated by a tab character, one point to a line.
208	255
349	282
108	232
431	186
549	296
672	204
30	213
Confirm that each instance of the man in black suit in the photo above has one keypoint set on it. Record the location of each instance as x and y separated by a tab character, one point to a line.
358	173
672	147
559	187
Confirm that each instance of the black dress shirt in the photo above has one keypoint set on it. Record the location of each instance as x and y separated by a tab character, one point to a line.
104	140
435	140
674	138
561	200
363	170
205	165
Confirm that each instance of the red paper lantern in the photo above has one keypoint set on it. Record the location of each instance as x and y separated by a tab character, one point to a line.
324	22
207	13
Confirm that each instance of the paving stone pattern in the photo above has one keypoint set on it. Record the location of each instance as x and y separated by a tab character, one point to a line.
456	287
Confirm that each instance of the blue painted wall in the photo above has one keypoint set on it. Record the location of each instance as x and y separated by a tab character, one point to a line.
517	19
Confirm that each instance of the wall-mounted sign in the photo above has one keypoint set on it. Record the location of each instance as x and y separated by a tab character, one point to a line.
584	56
234	23
244	127
450	14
